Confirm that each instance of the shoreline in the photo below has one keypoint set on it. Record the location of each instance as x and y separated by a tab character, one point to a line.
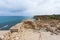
27	29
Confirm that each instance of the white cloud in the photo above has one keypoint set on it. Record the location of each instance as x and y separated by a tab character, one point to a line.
29	7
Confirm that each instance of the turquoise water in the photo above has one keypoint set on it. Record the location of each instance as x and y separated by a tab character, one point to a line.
8	21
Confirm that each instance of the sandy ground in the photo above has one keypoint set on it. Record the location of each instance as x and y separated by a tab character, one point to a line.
4	35
47	36
28	34
31	35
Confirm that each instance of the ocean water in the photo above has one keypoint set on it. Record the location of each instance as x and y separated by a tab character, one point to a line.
7	22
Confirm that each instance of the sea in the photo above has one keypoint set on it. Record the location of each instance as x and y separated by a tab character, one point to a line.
6	22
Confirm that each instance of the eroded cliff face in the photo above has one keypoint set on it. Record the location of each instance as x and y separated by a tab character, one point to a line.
21	31
46	26
31	30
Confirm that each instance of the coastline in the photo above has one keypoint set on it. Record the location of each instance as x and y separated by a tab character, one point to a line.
30	30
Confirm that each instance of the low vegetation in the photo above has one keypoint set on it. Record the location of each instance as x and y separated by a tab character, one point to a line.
48	23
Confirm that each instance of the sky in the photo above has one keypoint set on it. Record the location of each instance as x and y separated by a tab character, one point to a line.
29	7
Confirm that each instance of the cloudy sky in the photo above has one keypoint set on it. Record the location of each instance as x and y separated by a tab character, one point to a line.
29	7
